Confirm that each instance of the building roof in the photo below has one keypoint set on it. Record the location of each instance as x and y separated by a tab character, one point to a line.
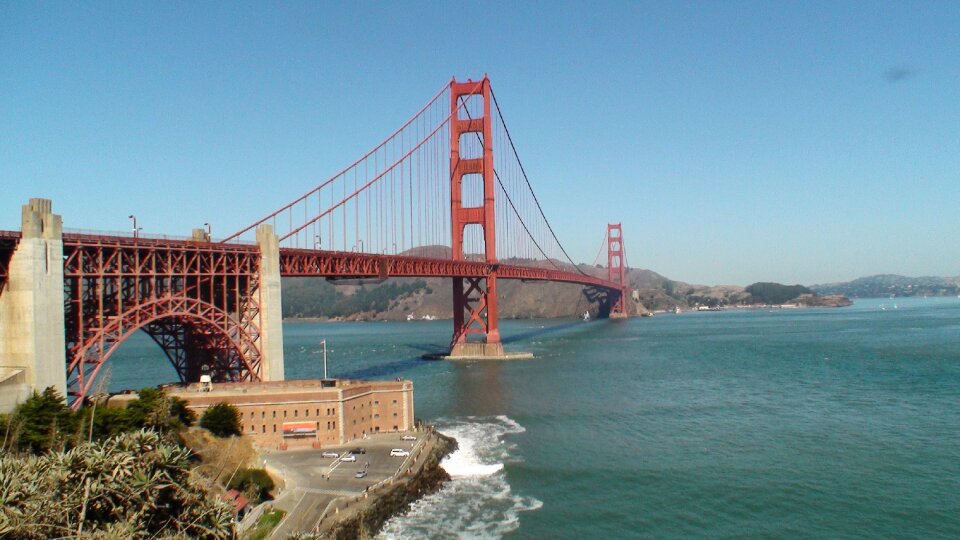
235	499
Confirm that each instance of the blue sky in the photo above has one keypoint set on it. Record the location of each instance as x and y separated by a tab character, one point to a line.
736	141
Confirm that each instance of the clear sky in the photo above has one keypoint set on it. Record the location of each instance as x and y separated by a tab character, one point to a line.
737	141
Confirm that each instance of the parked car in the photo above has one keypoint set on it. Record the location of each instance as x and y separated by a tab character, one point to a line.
408	438
399	452
360	474
359	451
330	454
351	457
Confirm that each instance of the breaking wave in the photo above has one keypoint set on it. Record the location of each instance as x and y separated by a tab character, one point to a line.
477	503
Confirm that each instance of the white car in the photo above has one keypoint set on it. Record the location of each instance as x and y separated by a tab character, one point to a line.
330	454
408	438
349	457
399	452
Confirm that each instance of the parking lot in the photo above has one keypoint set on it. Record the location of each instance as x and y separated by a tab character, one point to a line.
313	481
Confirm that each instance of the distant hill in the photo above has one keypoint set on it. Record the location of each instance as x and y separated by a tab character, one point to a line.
886	285
402	299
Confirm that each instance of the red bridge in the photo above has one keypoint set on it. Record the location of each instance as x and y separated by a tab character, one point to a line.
445	195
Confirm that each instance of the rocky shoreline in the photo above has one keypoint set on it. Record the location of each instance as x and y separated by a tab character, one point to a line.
365	517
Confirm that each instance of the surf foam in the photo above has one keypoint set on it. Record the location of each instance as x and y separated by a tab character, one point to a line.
478	502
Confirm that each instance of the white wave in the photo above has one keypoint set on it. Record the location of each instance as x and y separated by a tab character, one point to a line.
478	502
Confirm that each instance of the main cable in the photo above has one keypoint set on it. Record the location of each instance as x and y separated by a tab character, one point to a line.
527	180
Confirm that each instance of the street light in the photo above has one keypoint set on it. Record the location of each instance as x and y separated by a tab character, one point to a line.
207	225
135	229
316	241
324	343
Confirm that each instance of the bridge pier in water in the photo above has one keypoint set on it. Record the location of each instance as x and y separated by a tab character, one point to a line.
476	332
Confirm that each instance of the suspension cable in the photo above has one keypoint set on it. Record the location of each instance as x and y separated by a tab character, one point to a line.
527	180
504	189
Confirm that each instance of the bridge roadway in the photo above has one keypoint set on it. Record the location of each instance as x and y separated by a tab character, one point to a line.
320	263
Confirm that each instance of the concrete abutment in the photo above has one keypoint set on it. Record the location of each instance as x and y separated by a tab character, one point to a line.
32	335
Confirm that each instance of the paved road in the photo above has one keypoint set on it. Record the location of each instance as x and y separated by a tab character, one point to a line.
313	481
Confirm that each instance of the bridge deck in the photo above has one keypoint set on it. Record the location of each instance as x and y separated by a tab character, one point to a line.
320	263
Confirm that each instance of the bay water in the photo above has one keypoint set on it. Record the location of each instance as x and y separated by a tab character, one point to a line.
797	423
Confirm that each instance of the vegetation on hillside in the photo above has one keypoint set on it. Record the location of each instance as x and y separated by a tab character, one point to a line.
775	293
886	285
254	482
134	485
112	472
305	298
44	421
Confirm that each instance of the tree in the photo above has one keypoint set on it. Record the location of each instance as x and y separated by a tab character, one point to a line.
222	419
153	408
44	422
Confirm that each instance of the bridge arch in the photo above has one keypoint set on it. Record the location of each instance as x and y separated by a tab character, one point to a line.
196	336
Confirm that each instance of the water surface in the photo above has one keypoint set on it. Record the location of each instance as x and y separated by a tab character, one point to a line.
841	423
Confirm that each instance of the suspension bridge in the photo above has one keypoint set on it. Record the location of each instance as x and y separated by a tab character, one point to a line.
445	195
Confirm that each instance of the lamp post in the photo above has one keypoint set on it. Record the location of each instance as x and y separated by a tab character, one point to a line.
316	241
135	229
207	225
324	343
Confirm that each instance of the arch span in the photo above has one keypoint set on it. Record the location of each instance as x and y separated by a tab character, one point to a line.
196	336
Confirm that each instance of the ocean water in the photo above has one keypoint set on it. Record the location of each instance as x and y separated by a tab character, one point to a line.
836	423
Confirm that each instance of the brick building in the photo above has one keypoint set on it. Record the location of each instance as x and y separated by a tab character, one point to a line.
328	412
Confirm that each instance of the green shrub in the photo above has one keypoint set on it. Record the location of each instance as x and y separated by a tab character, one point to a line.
255	482
222	420
44	422
135	485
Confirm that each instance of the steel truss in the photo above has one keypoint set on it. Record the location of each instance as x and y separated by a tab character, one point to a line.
199	301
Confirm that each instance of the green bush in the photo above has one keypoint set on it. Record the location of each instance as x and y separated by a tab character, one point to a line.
135	485
222	420
255	482
43	422
153	409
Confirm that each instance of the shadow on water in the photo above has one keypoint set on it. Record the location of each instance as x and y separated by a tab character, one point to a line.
537	332
429	348
391	369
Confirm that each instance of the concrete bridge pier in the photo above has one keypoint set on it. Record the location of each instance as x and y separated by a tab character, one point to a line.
32	336
271	308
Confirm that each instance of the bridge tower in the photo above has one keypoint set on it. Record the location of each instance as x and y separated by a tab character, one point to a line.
474	299
616	270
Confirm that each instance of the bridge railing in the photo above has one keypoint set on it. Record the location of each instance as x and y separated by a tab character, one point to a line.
91	233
